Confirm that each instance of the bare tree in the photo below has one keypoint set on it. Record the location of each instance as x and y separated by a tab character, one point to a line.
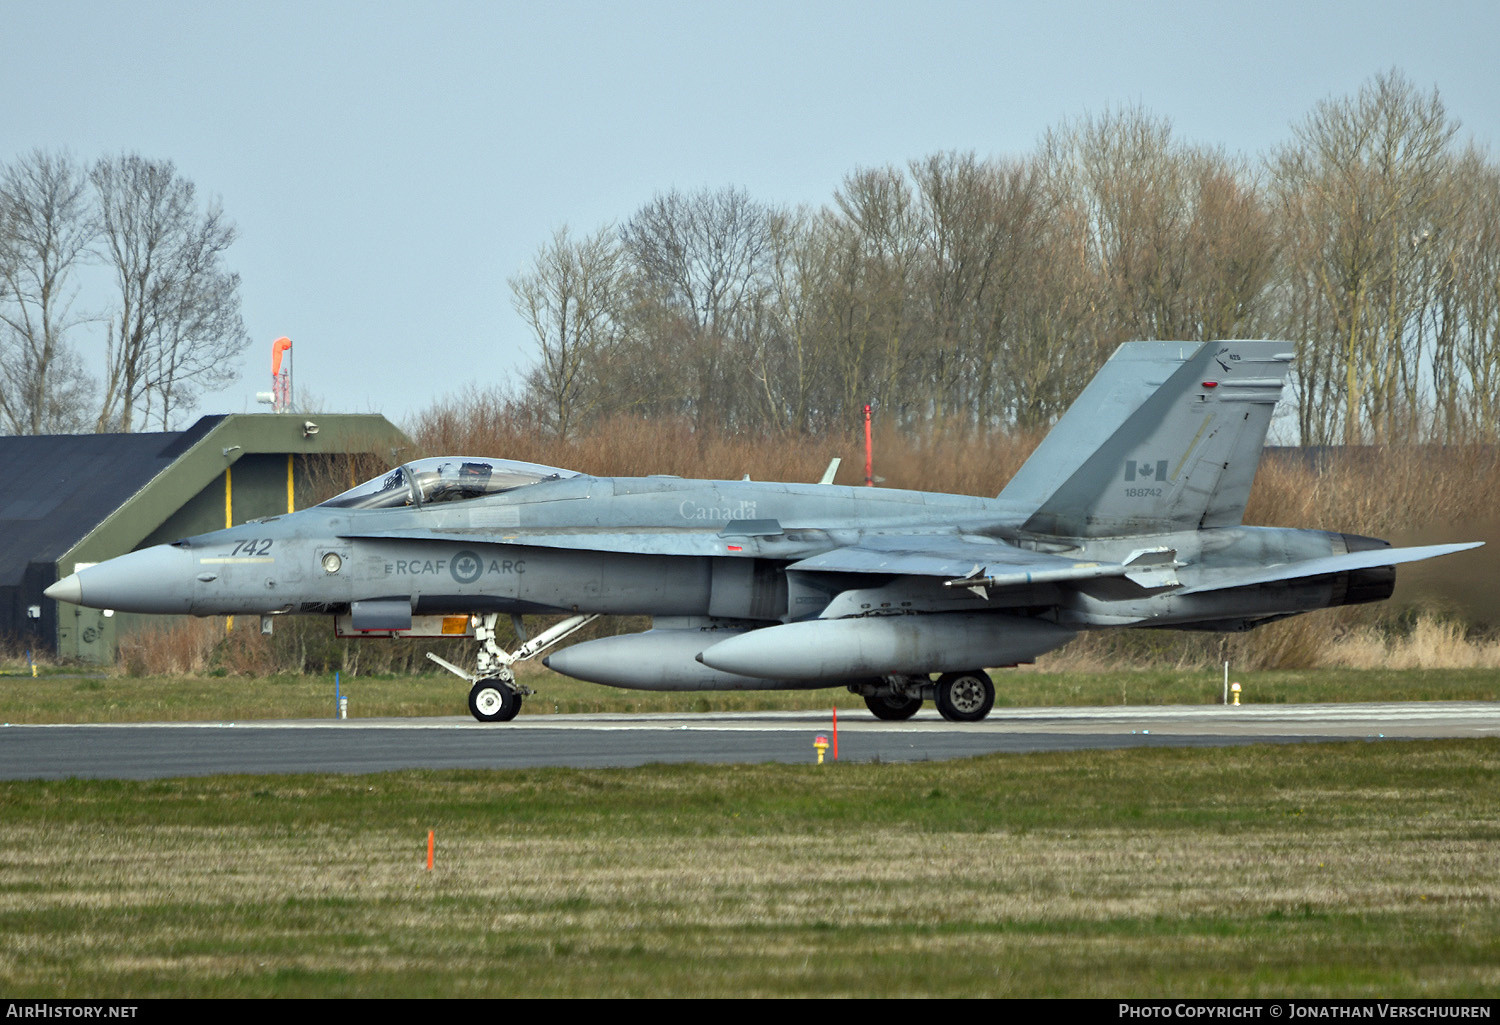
46	226
984	222
785	361
1178	242
176	327
990	290
1463	316
1361	191
701	265
570	298
875	235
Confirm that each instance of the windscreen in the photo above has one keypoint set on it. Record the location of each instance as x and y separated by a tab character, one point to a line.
444	479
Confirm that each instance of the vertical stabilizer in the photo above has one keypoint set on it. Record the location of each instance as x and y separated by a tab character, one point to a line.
1167	436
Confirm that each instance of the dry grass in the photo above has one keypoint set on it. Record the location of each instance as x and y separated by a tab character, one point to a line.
1315	641
178	646
1431	644
942	457
1378	491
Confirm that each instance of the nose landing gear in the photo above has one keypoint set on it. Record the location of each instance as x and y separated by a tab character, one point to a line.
494	695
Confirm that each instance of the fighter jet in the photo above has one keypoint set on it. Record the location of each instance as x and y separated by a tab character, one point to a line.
1129	514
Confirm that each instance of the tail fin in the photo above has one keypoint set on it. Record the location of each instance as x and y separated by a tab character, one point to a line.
1167	436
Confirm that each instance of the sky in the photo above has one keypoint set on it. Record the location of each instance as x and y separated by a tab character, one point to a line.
390	166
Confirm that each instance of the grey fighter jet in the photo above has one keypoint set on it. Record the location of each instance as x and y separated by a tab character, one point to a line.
1127	515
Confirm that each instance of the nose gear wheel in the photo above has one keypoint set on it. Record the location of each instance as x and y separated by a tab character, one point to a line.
494	695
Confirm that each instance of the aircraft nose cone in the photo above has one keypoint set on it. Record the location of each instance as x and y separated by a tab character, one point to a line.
67	589
157	579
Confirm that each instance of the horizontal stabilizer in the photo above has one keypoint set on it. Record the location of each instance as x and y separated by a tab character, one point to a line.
1226	579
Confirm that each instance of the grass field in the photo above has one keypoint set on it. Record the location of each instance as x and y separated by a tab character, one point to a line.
67	698
1309	870
1352	869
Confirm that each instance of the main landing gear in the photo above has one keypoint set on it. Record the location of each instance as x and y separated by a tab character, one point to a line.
494	695
893	707
964	697
960	697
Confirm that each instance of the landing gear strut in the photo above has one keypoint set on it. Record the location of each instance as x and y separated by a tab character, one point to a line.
494	695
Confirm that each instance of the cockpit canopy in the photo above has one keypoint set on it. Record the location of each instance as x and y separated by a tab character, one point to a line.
444	479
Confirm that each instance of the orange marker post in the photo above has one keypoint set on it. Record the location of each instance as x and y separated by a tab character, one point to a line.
869	452
429	850
835	733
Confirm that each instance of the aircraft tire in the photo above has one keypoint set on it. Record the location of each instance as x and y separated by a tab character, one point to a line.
892	707
493	701
966	696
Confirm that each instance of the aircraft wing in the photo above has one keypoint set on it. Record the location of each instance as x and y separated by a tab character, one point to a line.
929	555
762	538
982	563
1221	580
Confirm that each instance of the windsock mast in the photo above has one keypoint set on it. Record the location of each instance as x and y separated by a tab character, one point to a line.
280	396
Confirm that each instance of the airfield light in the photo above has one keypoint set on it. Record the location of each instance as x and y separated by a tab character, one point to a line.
1234	689
821	743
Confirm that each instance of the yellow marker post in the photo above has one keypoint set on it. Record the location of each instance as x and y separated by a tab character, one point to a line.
821	743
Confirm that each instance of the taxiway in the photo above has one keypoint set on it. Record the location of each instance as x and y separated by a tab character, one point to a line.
159	750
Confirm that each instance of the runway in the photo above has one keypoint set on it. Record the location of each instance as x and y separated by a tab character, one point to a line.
160	750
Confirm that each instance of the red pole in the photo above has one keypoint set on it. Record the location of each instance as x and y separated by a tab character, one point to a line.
835	733
869	452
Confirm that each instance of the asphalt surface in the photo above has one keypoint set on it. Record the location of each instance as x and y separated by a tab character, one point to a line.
159	750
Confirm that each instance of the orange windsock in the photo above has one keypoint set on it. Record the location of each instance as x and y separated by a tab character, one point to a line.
278	347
